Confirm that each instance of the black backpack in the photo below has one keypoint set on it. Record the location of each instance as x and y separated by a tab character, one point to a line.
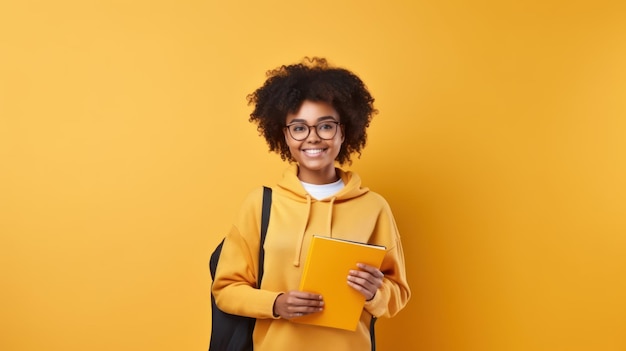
231	332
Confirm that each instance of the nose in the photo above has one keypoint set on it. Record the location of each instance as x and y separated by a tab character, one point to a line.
313	137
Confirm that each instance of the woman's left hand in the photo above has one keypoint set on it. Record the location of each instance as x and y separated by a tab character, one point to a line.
366	280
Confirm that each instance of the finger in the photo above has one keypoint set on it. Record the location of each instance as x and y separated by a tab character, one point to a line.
367	293
303	295
300	314
306	306
367	277
365	283
305	309
296	302
371	269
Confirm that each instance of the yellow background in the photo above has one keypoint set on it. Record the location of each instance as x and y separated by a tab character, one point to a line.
125	151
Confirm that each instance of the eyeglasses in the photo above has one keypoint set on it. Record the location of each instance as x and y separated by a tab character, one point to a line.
325	130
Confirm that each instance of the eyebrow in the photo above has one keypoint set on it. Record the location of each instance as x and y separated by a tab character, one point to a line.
323	118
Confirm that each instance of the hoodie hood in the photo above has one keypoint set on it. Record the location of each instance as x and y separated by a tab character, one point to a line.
291	187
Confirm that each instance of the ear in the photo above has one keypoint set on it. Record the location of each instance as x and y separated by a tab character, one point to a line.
286	134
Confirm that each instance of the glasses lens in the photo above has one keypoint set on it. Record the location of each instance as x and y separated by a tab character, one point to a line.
299	131
327	130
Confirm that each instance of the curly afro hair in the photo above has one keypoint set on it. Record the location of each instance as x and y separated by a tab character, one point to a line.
313	79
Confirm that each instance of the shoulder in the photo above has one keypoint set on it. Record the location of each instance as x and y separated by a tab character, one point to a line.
248	217
380	201
370	203
253	199
374	197
254	194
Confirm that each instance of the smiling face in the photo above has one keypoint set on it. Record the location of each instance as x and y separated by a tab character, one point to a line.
315	156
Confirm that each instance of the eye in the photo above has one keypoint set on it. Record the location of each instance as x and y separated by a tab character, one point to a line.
326	126
298	128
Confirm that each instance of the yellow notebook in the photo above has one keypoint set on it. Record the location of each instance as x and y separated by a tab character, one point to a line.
326	269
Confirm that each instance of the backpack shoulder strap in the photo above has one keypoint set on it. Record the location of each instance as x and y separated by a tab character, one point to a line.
265	218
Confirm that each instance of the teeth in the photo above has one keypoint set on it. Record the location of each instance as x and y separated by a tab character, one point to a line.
313	151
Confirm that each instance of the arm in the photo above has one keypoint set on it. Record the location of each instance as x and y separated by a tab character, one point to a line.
236	276
386	290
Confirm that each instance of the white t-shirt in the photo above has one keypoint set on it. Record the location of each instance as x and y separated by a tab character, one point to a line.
324	190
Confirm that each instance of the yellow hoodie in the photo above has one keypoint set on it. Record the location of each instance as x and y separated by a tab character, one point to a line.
354	213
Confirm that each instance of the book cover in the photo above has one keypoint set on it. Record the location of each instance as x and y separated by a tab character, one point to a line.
325	272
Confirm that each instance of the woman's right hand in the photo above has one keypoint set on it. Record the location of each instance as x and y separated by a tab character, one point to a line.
295	304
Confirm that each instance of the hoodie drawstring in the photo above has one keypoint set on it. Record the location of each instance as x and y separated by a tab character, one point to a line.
298	255
330	217
296	261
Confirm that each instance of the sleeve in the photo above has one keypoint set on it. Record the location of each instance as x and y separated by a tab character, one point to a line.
235	281
395	293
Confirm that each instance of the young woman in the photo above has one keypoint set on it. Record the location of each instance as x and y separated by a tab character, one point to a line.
315	116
